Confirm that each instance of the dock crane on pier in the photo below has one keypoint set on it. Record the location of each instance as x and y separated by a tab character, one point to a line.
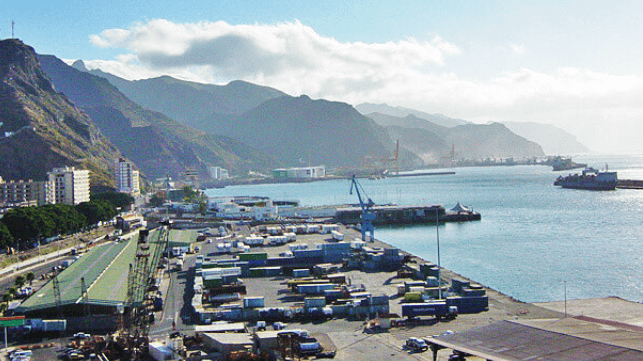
368	214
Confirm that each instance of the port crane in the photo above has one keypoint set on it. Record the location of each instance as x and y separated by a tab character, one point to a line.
368	214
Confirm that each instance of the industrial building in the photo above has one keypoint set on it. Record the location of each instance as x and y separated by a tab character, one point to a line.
100	288
300	173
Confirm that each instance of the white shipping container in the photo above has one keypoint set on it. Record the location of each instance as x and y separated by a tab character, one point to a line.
160	352
416	289
337	235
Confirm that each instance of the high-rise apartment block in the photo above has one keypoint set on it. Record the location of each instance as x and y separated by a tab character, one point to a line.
127	178
71	185
26	193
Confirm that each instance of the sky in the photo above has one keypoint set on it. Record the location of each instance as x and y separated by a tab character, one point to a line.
573	64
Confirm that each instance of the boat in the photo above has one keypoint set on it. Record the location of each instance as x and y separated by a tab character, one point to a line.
590	179
560	164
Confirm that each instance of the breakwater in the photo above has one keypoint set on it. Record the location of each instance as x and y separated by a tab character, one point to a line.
629	184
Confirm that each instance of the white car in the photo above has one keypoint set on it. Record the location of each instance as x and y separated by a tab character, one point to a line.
417	344
82	335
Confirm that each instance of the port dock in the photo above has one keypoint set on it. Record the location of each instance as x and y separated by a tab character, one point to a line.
395	214
629	184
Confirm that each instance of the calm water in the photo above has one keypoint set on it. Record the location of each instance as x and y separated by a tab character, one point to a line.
533	236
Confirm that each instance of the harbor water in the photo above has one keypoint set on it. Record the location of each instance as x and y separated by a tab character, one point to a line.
533	237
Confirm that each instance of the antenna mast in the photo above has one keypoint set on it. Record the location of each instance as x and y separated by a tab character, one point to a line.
13	25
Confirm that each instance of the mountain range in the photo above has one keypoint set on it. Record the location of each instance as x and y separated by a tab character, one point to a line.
553	140
69	115
157	144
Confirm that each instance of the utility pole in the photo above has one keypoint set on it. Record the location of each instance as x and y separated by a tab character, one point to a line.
13	25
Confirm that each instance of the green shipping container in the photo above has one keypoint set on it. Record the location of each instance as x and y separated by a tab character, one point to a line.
257	272
253	256
215	282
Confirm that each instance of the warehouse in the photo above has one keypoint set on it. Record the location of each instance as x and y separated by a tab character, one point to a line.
566	339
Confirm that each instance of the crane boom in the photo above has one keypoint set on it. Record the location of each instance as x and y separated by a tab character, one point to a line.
368	214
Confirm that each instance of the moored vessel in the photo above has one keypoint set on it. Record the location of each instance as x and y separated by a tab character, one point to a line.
590	179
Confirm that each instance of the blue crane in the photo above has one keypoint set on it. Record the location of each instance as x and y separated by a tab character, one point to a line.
368	214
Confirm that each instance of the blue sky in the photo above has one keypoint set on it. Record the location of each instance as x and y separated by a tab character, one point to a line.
573	64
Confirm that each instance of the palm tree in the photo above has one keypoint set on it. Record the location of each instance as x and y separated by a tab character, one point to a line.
20	281
7	297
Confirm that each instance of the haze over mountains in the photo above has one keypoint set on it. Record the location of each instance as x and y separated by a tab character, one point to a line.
169	126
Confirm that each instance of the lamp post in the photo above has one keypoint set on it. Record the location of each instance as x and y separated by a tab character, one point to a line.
437	233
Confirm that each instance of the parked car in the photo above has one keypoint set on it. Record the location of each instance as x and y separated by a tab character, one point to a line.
82	335
415	343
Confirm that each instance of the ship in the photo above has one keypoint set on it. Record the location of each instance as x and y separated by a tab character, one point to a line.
590	179
560	164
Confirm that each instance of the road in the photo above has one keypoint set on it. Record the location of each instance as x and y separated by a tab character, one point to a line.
177	304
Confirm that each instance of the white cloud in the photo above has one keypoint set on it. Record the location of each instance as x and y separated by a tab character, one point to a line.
293	58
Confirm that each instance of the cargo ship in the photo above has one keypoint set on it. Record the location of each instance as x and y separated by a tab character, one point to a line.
590	179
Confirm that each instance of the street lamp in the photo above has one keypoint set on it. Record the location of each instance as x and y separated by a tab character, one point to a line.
437	233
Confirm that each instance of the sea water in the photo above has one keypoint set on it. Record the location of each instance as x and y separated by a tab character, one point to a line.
534	239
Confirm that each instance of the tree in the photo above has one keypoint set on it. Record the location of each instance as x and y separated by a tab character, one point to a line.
30	277
7	297
13	291
118	200
6	240
66	218
96	211
20	281
157	200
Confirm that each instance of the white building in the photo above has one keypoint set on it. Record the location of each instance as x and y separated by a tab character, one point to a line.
219	173
127	177
300	173
71	185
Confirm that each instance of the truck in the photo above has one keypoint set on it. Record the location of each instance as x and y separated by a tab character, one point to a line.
437	309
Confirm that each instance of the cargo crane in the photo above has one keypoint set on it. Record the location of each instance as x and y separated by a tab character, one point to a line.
368	214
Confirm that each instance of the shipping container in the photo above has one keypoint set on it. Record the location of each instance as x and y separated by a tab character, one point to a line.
469	304
468	292
314	302
336	278
431	281
304	272
253	256
436	308
409	284
338	236
253	302
416	289
333	295
254	241
379	300
458	285
314	288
